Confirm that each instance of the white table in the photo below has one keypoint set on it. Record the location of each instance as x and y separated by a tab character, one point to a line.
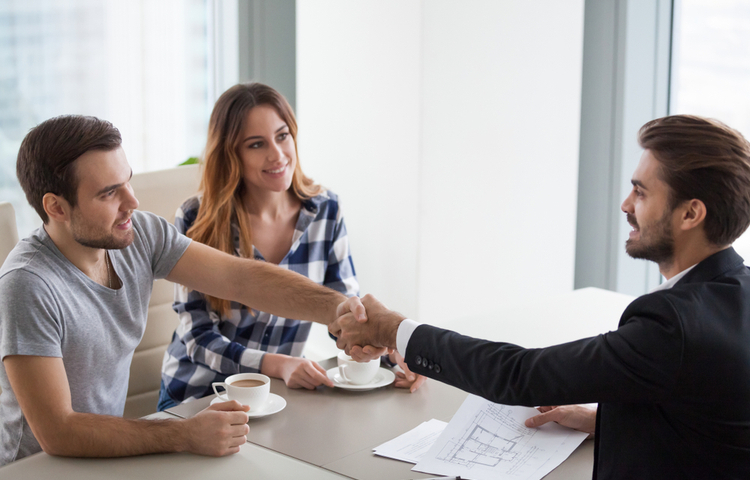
329	433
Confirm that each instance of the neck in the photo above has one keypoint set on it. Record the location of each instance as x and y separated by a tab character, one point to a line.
88	260
685	258
269	204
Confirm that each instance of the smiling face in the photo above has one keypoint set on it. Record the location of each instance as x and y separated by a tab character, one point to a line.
648	212
267	151
101	218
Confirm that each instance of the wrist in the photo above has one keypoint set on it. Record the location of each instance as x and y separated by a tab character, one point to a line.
272	364
390	330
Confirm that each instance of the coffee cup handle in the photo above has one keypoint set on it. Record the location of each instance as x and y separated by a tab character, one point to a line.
343	375
219	384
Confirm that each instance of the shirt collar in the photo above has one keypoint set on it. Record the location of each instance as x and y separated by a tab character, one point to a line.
670	283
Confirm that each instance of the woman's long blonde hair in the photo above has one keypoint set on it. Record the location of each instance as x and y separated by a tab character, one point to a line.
221	181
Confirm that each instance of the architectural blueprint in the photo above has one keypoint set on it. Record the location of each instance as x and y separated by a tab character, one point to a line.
486	440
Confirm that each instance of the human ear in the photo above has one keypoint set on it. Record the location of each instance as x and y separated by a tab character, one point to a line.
56	207
693	214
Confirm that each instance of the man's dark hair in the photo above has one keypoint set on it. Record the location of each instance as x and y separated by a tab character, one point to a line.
701	158
48	152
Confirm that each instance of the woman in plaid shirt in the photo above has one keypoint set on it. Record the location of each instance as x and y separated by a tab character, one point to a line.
256	201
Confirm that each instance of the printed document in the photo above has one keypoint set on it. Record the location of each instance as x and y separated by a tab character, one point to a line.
412	445
489	441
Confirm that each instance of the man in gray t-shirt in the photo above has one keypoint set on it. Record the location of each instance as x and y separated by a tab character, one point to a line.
74	296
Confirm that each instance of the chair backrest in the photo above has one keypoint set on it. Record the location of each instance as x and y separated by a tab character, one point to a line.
9	237
160	192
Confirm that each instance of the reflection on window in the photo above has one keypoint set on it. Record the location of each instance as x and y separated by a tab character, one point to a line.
711	66
141	64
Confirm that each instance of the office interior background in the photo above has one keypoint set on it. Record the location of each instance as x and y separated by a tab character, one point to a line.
480	148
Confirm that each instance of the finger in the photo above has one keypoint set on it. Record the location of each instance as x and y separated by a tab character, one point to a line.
231	451
374	352
238	440
324	380
317	376
546	408
402	364
417	383
230	406
356	307
539	420
239	418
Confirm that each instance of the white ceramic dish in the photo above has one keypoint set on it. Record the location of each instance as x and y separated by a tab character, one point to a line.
382	378
274	404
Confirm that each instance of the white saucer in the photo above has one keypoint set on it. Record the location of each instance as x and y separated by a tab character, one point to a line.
382	378
274	404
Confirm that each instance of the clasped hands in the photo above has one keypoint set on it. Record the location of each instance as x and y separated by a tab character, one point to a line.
366	329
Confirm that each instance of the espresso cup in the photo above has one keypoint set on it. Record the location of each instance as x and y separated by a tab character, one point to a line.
251	389
357	373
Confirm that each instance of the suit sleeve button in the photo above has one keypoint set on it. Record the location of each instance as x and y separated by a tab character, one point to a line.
418	359
425	362
430	365
437	368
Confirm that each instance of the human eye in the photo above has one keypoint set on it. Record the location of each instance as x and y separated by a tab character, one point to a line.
283	136
255	145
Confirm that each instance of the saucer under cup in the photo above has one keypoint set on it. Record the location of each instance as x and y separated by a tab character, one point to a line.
357	373
254	396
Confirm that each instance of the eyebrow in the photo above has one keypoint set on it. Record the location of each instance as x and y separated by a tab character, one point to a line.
115	186
261	137
638	183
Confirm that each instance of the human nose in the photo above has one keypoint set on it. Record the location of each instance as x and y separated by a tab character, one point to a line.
627	204
129	200
275	152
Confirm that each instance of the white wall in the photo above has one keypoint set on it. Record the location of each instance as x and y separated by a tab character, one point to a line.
450	130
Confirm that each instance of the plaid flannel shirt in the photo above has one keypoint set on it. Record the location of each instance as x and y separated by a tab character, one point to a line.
207	348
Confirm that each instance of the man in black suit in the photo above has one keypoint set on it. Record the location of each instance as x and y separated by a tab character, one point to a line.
673	381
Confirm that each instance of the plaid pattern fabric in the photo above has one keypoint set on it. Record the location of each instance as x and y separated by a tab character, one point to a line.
208	348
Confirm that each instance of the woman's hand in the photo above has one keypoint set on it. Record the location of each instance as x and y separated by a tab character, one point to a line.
407	379
295	371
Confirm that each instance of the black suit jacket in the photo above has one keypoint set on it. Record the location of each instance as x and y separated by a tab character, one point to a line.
672	382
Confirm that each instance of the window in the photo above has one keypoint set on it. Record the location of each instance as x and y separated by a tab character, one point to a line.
711	67
141	64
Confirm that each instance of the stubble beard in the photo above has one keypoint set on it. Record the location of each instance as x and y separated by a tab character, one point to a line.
95	238
658	247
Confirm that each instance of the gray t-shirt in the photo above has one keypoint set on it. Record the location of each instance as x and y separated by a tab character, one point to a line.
49	308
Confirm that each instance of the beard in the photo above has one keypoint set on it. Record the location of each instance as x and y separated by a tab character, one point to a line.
96	237
656	242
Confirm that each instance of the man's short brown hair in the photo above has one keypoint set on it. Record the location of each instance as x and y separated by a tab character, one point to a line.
701	158
48	152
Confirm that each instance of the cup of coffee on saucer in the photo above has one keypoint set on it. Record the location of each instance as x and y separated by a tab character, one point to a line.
357	373
250	389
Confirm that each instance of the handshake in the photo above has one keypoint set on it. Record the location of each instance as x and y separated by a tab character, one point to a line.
365	328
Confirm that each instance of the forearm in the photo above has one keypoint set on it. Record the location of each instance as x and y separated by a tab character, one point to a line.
265	287
284	293
91	435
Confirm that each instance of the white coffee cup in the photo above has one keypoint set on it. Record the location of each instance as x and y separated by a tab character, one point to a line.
236	387
357	373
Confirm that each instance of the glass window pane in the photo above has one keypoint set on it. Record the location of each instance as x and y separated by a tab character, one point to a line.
142	64
711	67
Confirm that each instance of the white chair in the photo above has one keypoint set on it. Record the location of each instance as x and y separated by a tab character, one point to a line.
9	238
160	192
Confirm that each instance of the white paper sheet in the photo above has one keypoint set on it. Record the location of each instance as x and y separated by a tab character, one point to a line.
489	441
412	445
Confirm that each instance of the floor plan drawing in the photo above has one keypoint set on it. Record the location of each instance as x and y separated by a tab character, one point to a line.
486	440
491	438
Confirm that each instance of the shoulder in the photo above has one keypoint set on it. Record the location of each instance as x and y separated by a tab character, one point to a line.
325	205
147	223
34	254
